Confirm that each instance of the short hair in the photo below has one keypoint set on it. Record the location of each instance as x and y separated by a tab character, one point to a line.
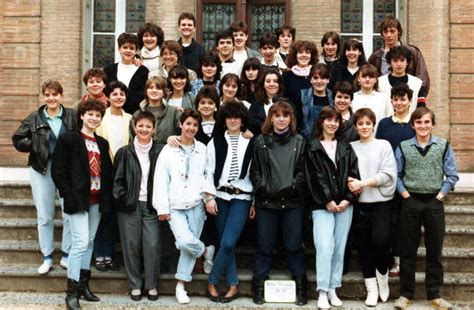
400	90
391	22
232	109
398	52
94	72
230	78
206	59
344	88
361	113
113	85
152	29
419	113
300	46
283	107
281	30
239	26
125	37
172	46
367	70
89	105
224	34
268	38
320	69
207	92
145	115
186	15
353	44
188	112
335	38
260	93
53	85
179	71
325	113
158	81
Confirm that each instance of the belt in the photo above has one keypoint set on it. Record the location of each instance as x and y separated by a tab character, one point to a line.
233	191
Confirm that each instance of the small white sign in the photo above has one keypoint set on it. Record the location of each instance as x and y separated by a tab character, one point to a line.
283	291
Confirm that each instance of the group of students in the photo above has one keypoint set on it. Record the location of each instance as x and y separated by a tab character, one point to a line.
175	134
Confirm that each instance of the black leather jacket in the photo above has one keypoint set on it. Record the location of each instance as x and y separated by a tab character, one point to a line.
326	182
277	171
127	177
33	136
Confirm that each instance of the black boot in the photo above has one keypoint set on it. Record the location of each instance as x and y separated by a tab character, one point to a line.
72	295
301	290
258	285
85	290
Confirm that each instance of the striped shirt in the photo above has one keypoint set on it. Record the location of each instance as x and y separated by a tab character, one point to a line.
234	163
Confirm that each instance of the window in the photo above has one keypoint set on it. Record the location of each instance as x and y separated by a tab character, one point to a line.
361	19
104	21
260	16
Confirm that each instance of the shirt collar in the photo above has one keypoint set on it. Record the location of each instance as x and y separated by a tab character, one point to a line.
60	114
433	139
404	120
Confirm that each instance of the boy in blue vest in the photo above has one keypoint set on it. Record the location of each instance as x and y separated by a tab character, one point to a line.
426	173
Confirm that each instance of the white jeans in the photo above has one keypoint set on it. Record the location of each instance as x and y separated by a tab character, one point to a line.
186	226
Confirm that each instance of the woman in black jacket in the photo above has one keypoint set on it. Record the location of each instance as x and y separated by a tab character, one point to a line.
132	192
330	161
277	174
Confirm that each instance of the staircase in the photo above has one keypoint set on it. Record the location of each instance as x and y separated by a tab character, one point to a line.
20	255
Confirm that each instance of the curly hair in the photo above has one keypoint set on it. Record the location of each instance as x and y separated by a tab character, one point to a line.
301	46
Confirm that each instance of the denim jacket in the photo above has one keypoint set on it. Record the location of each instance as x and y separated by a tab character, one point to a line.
310	111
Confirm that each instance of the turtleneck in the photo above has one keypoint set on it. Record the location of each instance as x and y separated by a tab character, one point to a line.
142	151
282	137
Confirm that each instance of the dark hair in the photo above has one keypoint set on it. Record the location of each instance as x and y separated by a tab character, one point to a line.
224	34
172	46
125	37
268	38
52	84
239	26
260	93
152	29
353	44
250	63
188	112
281	30
113	85
206	59
300	46
232	109
367	70
279	107
158	81
400	90
179	71
89	105
398	52
344	88
230	77
145	115
320	69
94	72
361	113
207	92
391	22
325	113
335	38
419	113
186	15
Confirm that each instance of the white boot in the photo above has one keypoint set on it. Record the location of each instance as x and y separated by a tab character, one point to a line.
333	299
323	302
395	270
372	292
382	282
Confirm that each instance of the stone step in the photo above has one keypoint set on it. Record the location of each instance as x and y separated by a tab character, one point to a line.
22	208
23	278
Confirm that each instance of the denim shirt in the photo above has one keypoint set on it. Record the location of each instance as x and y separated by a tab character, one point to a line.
310	111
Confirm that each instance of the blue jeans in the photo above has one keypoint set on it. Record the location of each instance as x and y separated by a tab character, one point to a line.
290	221
83	228
230	221
186	226
44	195
330	232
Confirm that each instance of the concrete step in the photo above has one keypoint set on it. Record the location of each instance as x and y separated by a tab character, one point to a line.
22	208
55	301
22	278
24	229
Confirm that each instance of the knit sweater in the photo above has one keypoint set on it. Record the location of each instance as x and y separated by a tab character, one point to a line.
394	132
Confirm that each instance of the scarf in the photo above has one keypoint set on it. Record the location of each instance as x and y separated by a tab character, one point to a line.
301	71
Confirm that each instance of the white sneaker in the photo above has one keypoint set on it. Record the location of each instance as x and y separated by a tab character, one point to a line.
182	295
63	262
208	259
333	299
323	302
46	266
